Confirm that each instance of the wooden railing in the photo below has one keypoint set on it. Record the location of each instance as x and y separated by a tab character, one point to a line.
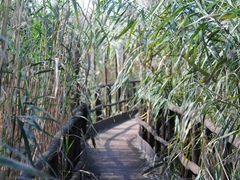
104	102
159	138
65	156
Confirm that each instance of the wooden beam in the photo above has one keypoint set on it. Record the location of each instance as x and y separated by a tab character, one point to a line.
235	141
185	162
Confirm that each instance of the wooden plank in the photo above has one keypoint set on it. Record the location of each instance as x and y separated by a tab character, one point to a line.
117	156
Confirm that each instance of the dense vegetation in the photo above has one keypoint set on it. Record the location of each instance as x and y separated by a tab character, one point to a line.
53	53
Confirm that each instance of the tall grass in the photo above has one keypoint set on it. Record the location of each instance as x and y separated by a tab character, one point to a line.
44	74
54	53
188	56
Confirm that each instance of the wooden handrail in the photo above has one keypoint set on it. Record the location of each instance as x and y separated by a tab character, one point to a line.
185	162
235	141
175	109
188	164
108	104
112	84
73	129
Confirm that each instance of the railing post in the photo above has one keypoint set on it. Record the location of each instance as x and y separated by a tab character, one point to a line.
128	95
108	101
124	98
196	131
55	166
116	75
116	100
134	91
163	130
208	134
226	150
158	127
170	125
119	97
72	142
150	138
142	131
106	81
98	102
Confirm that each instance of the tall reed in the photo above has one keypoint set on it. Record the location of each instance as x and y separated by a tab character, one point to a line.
53	54
188	56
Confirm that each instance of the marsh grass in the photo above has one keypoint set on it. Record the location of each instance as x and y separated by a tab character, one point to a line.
53	54
188	56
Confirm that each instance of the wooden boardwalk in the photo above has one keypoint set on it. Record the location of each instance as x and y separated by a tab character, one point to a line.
117	155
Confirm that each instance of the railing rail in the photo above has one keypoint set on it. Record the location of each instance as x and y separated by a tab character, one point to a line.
158	138
120	97
66	149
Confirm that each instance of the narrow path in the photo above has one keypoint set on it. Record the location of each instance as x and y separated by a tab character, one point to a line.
117	155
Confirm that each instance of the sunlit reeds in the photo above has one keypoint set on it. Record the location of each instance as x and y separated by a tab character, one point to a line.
52	54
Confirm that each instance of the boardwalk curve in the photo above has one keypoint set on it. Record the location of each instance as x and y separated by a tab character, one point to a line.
117	155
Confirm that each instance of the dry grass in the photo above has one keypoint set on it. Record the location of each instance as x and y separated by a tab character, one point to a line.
52	55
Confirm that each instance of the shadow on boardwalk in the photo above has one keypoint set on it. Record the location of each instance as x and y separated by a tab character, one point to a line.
117	155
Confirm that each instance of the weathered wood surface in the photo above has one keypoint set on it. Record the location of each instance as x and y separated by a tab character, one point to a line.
187	163
72	132
117	155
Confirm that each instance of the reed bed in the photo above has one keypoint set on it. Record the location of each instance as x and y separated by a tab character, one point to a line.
54	53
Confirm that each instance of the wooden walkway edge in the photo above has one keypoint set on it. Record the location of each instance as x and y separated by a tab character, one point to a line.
117	155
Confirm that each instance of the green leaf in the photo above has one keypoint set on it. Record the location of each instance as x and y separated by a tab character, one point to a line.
197	67
129	26
36	125
4	161
26	143
7	41
39	109
44	71
41	97
173	15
